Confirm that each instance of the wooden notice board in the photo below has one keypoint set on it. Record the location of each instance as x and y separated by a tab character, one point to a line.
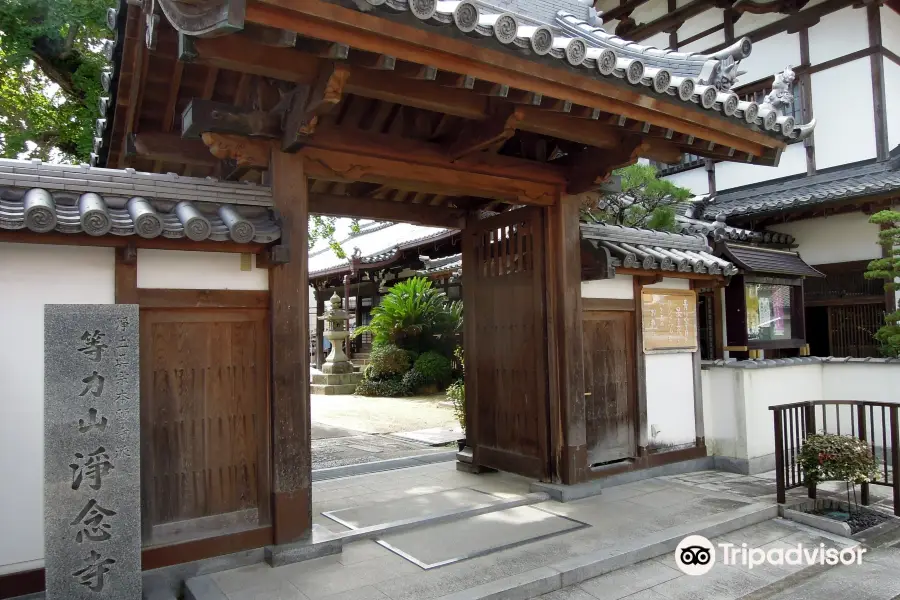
669	319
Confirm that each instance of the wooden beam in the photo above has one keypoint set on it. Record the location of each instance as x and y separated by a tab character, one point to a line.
291	439
126	275
622	10
593	166
413	152
169	147
375	34
333	165
310	103
55	238
882	148
371	208
477	137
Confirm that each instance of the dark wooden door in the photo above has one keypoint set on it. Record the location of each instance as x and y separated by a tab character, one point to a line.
506	347
204	414
609	381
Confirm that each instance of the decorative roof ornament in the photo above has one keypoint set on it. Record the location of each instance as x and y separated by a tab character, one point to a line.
781	98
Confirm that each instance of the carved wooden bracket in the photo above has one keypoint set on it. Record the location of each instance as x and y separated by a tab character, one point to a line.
204	18
594	165
244	151
311	102
479	136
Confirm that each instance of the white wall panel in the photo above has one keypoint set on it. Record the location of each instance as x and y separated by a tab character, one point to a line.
838	34
696	180
770	56
892	100
845	129
704	43
735	174
180	270
32	275
748	23
670	398
890	30
838	238
620	288
708	18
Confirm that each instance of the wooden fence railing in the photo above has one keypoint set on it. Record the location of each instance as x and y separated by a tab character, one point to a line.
878	423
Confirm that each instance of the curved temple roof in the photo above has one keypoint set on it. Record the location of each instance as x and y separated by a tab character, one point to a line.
701	79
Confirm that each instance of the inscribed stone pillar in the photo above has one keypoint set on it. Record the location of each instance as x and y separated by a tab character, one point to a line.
92	515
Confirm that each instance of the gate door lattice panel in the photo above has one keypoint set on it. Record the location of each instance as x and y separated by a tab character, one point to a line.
506	332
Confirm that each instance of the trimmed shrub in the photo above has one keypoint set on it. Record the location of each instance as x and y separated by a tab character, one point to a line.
831	457
387	388
435	368
386	361
412	381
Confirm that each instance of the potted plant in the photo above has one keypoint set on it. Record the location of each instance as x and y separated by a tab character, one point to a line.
832	457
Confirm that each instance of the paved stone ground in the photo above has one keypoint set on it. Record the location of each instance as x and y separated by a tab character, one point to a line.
352	430
383	415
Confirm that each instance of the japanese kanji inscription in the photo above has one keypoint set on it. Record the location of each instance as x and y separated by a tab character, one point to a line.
92	529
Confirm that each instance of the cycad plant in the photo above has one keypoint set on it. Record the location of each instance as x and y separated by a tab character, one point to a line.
415	316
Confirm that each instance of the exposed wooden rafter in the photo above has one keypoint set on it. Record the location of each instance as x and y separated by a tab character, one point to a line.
485	134
593	166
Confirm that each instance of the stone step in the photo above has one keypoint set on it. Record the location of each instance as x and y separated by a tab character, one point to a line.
336	379
332	390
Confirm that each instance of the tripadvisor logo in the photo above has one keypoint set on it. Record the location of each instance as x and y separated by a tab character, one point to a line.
696	555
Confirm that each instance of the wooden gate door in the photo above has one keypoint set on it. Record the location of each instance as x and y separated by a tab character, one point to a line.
609	379
506	347
204	417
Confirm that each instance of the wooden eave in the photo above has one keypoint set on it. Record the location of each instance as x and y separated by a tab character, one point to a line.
440	99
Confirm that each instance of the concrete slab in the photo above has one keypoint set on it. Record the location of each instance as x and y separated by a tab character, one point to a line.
408	508
476	536
630	580
434	436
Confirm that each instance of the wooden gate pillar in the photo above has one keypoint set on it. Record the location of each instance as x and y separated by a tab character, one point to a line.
288	290
568	439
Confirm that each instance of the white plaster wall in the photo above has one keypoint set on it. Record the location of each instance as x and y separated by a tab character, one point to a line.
816	238
890	30
736	174
32	275
737	419
696	180
845	125
763	388
619	288
770	56
670	398
670	387
701	45
892	99
660	40
705	20
838	34
177	269
723	413
748	23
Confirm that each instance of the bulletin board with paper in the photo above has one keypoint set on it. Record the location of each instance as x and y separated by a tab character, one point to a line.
669	320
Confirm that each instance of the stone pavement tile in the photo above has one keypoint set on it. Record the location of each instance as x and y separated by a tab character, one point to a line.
629	580
759	534
645	595
868	581
569	593
631	490
367	592
361	551
318	583
243	578
721	583
276	589
338	493
668	497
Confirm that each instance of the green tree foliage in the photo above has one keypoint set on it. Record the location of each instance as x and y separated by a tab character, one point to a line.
415	316
888	269
50	64
434	368
645	201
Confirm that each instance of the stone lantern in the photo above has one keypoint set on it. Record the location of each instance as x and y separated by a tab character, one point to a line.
336	332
